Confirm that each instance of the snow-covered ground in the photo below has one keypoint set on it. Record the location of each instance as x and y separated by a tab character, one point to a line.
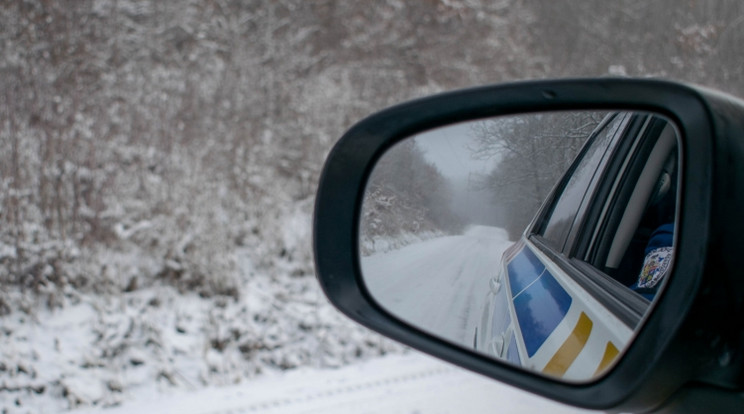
439	284
411	383
105	350
279	348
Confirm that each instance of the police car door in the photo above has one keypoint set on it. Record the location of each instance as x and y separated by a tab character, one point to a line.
571	319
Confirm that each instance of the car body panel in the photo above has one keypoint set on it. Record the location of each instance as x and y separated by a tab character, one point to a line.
549	323
560	329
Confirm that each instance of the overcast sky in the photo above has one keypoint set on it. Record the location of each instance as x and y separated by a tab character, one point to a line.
447	149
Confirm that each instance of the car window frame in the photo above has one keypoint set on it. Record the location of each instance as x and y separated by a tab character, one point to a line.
596	250
543	218
628	306
598	220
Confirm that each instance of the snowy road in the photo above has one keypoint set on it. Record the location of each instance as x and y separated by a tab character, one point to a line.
439	284
412	383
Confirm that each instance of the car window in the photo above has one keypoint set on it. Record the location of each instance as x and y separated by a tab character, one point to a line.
645	209
583	176
623	194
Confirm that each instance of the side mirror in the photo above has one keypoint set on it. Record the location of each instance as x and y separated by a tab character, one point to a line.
553	235
586	199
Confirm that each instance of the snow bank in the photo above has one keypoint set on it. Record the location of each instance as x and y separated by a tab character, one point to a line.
403	384
381	244
102	350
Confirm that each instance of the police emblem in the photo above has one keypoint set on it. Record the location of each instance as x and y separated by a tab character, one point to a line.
655	266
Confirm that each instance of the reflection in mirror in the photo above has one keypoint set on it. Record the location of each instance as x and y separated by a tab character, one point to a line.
538	239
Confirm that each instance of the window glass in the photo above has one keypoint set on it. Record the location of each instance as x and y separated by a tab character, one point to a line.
565	209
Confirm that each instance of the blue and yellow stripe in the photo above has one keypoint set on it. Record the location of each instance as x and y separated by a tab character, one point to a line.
541	304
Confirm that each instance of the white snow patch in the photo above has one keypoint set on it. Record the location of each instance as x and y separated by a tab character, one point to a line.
412	383
439	284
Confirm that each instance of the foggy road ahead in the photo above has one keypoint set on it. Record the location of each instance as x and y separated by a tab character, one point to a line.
439	284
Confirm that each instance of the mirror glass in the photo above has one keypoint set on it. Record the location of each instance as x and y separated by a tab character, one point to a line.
538	239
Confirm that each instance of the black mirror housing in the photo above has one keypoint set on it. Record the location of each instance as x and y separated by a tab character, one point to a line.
692	335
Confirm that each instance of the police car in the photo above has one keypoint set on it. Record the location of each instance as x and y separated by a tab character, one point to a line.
572	291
